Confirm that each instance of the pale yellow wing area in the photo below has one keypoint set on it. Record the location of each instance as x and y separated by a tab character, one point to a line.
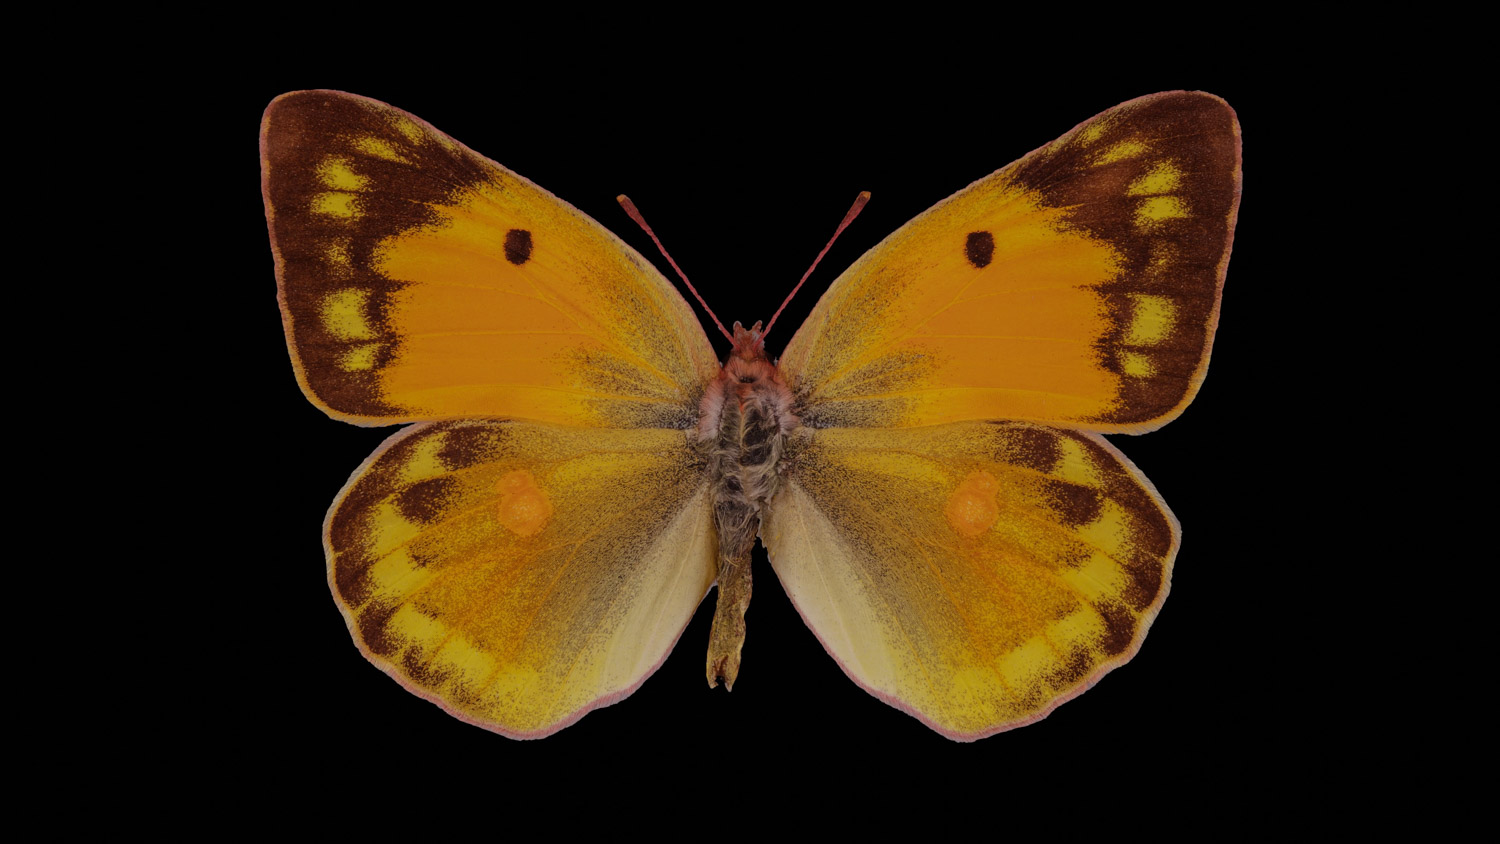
1077	286
420	280
520	574
976	574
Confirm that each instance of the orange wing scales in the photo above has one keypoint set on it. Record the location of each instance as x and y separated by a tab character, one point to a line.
420	280
1078	286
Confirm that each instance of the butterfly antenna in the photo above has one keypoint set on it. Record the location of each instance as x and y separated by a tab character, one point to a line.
859	205
635	214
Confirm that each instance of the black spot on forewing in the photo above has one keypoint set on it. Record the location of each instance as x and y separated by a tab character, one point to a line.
518	246
980	249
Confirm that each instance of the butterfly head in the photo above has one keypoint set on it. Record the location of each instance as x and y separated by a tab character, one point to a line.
749	345
748	369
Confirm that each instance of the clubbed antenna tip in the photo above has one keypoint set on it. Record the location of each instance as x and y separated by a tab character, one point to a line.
858	206
635	214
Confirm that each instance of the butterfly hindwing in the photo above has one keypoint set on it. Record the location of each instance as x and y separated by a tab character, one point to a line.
521	574
1078	286
974	574
420	280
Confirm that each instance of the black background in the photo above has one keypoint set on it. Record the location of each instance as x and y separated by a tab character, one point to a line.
744	174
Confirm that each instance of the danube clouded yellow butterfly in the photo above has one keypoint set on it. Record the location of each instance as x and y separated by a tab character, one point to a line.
923	461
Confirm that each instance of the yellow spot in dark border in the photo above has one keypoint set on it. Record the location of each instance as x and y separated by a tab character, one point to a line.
412	132
1093	131
1161	179
344	314
1160	208
1123	150
360	357
336	254
334	204
336	172
377	147
1152	320
1137	365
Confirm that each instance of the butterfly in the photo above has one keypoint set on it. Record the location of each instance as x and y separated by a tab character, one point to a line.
923	461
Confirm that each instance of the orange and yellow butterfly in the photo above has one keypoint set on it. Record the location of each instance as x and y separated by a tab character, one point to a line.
923	462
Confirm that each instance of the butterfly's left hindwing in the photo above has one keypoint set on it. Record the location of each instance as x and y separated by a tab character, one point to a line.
420	280
521	574
973	574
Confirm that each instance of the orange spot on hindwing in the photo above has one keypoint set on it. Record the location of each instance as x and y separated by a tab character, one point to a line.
972	508
524	508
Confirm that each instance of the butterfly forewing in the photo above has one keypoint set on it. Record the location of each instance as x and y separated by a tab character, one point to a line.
1080	285
420	280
